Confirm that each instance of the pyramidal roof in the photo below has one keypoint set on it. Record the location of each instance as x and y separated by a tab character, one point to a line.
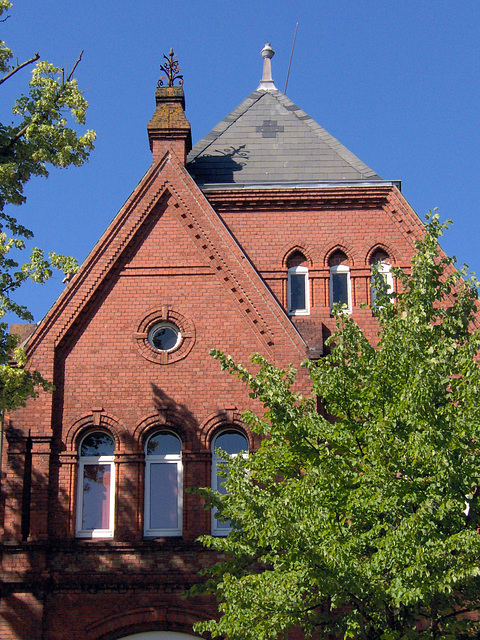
266	140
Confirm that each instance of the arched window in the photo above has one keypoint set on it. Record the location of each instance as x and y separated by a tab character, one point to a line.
298	293
163	485
382	262
233	443
340	287
96	479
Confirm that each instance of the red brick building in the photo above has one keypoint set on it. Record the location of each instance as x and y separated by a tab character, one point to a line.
242	243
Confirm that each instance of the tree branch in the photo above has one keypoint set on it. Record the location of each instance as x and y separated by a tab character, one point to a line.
459	612
20	66
69	77
14	139
23	130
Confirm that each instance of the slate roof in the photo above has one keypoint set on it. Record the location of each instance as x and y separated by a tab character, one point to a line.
268	139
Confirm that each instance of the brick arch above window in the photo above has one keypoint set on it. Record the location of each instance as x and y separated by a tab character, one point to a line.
164	420
380	247
156	618
338	258
159	635
289	249
340	247
95	421
222	421
297	259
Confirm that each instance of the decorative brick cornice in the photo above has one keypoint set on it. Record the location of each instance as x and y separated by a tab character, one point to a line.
367	197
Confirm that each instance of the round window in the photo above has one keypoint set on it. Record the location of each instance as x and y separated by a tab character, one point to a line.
164	336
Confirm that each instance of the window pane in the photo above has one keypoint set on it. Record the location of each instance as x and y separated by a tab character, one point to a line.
164	336
298	298
375	291
163	444
220	481
231	442
340	288
164	496
96	496
97	444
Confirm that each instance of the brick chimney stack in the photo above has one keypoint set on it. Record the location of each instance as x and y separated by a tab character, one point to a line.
169	129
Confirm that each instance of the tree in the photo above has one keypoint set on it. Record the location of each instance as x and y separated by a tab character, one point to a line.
366	525
39	137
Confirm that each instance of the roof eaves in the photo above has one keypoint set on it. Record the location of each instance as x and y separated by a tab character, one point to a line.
338	184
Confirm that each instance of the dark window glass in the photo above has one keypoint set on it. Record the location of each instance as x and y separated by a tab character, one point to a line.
297	291
163	487
163	444
164	337
97	444
231	442
219	485
340	288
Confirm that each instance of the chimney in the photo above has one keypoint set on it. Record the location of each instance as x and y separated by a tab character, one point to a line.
169	129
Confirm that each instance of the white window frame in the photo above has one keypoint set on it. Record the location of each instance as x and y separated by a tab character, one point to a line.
169	458
220	528
384	268
83	462
341	268
298	271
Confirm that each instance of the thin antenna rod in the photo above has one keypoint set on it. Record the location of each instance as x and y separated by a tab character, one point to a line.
291	57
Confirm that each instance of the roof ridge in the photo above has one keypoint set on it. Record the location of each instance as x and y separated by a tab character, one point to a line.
324	135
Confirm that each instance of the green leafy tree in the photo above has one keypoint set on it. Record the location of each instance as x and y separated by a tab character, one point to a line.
366	525
39	137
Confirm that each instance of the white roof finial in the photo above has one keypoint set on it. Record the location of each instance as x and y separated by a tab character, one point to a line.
267	81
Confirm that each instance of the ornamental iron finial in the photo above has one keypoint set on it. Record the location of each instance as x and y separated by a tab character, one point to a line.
171	68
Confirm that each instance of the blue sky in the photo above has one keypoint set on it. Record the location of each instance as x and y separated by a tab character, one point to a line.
397	82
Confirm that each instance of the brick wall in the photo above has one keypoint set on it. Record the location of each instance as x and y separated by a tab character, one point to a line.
166	255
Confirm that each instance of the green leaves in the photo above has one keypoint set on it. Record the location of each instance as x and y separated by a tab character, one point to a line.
364	524
42	135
